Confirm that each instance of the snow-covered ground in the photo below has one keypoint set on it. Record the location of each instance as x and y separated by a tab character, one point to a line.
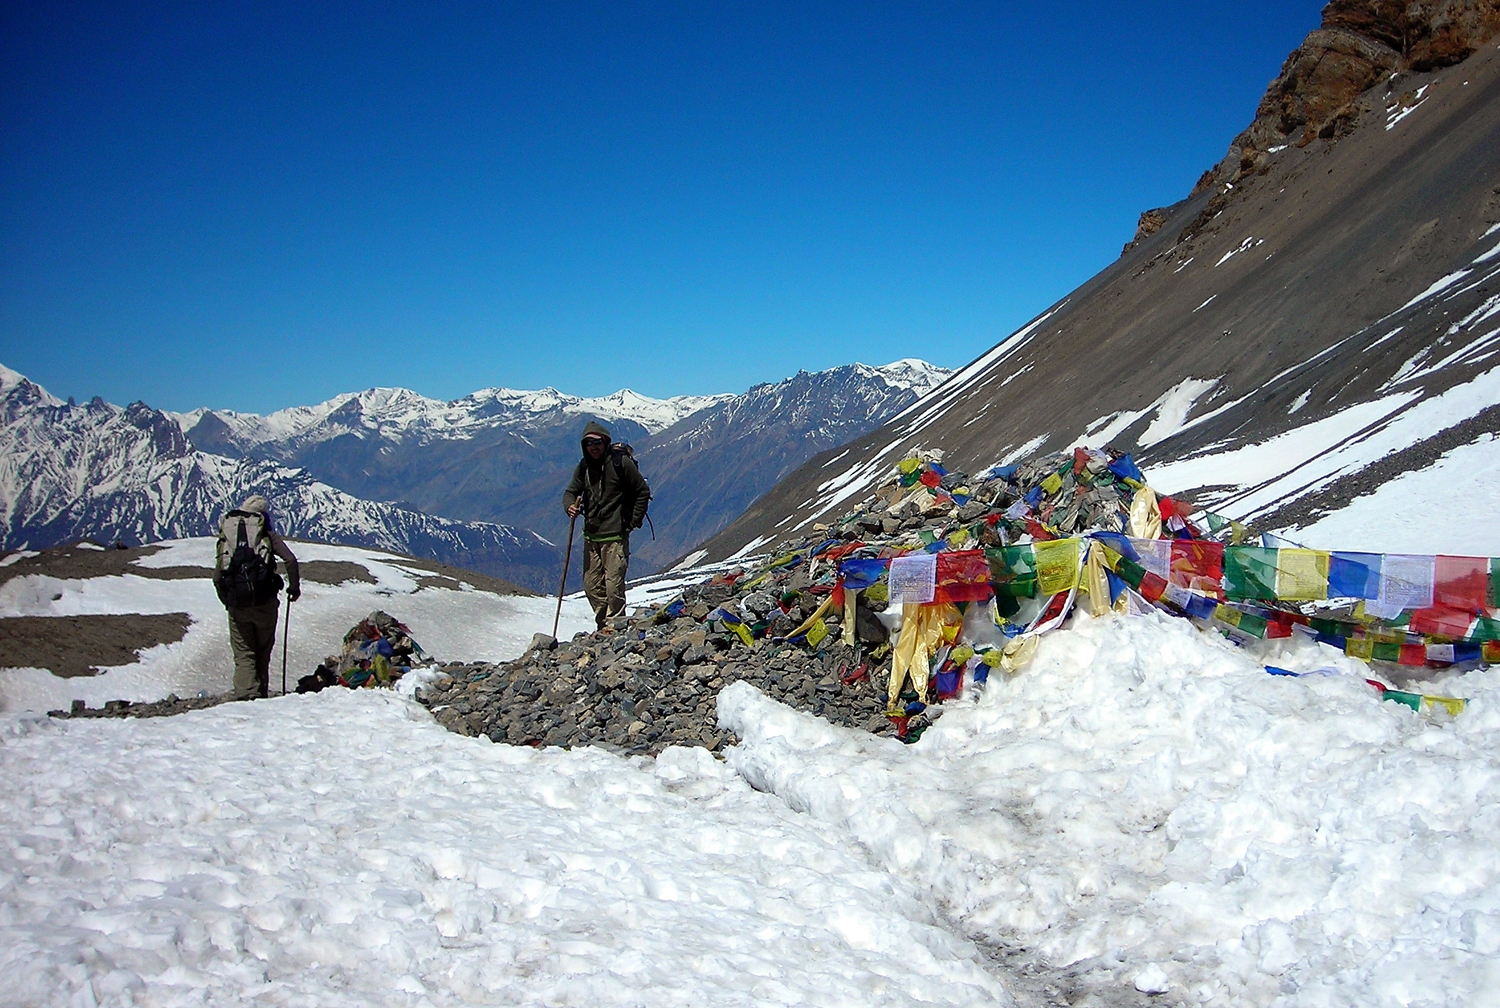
468	624
1145	806
343	849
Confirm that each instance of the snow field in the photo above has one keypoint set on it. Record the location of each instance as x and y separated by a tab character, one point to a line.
466	625
1143	805
343	849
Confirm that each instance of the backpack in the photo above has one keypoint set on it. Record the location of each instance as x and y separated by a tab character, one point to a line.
245	574
620	450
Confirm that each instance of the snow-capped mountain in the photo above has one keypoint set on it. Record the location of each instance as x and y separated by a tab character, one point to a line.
1311	334
110	473
401	415
708	467
503	456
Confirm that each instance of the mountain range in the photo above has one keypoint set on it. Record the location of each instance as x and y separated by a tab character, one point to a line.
1312	333
475	482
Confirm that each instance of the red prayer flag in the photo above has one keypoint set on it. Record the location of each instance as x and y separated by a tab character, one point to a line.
962	576
1038	531
1198	565
930	479
1152	586
1461	582
1413	654
1441	621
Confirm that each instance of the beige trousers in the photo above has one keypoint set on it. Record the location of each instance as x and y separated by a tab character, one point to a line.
252	638
604	566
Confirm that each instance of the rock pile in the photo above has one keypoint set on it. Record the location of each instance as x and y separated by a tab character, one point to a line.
651	679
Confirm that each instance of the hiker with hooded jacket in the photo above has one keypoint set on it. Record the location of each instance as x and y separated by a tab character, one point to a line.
610	493
247	583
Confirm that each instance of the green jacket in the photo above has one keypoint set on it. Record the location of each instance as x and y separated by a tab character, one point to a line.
613	491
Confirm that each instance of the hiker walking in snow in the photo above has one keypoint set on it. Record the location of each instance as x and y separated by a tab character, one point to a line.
610	493
245	578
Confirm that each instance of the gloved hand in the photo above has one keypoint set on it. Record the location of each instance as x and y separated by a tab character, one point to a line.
293	593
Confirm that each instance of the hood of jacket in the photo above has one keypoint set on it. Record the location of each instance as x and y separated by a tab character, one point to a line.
593	428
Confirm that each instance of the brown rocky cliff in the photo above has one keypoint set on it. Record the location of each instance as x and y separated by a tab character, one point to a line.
1359	43
1317	93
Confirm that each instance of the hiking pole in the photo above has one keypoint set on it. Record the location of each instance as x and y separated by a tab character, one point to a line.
286	632
567	556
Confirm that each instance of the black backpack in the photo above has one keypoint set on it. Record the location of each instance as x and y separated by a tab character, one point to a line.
246	574
620	450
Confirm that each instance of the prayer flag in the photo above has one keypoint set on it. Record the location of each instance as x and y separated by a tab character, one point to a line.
962	576
1125	468
1197	565
1359	647
1250	572
1155	555
862	573
1252	624
1200	606
1441	621
1494	599
1301	574
1152	587
1453	705
816	633
1013	570
1405	583
1354	575
1461	582
914	578
1412	700
1056	565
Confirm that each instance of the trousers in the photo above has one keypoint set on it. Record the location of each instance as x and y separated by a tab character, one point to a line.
252	638
604	566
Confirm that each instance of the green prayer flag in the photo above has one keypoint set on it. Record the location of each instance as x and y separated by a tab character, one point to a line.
1250	572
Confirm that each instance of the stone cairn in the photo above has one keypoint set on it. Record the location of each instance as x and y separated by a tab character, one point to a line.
652	680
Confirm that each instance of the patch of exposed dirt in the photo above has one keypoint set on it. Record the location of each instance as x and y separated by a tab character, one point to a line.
333	572
82	645
78	561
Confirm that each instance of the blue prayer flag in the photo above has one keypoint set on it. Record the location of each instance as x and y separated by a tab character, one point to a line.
1354	575
861	573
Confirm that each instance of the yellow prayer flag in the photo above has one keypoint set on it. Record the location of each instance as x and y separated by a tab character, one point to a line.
1051	484
1453	705
1360	647
1056	565
816	633
1224	614
1301	574
908	466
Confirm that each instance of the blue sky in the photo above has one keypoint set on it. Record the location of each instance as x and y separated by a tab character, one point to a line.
257	206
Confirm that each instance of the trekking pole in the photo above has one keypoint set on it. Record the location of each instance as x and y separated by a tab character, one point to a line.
286	632
567	556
